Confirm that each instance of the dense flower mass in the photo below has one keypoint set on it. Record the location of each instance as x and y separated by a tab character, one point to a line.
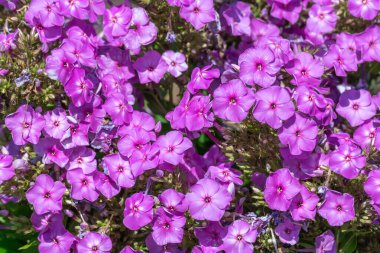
189	126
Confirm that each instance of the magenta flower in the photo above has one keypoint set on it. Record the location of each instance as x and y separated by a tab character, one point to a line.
6	168
153	247
151	67
322	19
288	10
258	66
136	140
76	135
238	18
224	174
325	243
201	79
82	185
56	123
176	62
167	228
305	69
356	106
46	195
280	48
173	201
208	200
84	158
299	133
52	151
367	135
273	106
79	88
105	185
347	161
25	124
304	205
372	186
116	21
280	189
80	52
261	29
240	237
172	147
47	11
288	232
341	60
119	170
46	221
309	101
199	115
366	9
77	9
232	101
138	211
57	240
337	208
211	236
368	42
198	12
96	8
59	65
94	242
119	107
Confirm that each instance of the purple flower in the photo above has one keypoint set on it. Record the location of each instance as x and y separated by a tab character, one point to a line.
347	161
325	243
138	211
368	42
198	115
308	100
238	17
105	185
172	147
167	228
260	29
288	232
337	208
76	9
94	242
299	133
280	188
289	11
367	135
84	158
173	201
356	106
56	123
366	9
208	200
224	174
6	168
273	106
232	100
47	221
211	236
80	52
153	247
304	205
258	66
79	87
119	170
341	60
176	62
25	124
76	135
201	79
136	140
372	186
52	151
305	69
151	67
119	107
116	21
198	12
59	65
46	195
240	237
82	185
322	19
57	240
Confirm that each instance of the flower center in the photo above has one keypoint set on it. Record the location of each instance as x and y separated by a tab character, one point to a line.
273	106
347	158
300	204
207	199
26	125
298	133
120	169
232	101
288	231
196	10
279	189
56	123
303	72
94	248
150	68
170	149
355	107
173	63
47	195
339	208
84	182
167	225
135	208
259	66
239	237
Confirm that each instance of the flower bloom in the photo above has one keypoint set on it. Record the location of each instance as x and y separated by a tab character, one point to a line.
365	9
208	200
322	19
305	69
82	185
369	43
176	62
341	60
347	161
151	67
138	211
201	79
337	208
6	168
288	232
119	170
57	240
211	236
173	201
198	12
56	123
46	195
240	237
172	147
167	228
94	242
325	243
372	186
304	205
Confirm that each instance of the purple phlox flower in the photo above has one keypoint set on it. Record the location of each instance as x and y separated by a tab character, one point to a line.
76	135
103	138
177	117
356	106
322	18
138	211
46	195
258	179
46	221
273	106
81	32
280	188
80	52
173	201
208	200
367	134
117	62
135	140
79	87
6	168
144	159
116	21
341	60
288	10
347	41
47	10
201	79
240	237
198	12
304	205
372	186
366	9
77	9
96	8
368	42
308	100
112	84
304	167
139	121
224	174
232	100
52	151
305	69
119	107
176	62
341	138
46	34
280	48
172	147
325	243
258	66
82	185
9	4
238	18
299	133
94	242
84	158
7	42
288	231
214	156
105	185
57	240
199	113
167	228
56	123
260	29
151	67
211	236
25	125
119	170
337	208
59	65
153	247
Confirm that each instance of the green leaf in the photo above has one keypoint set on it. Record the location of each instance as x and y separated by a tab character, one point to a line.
349	243
27	246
